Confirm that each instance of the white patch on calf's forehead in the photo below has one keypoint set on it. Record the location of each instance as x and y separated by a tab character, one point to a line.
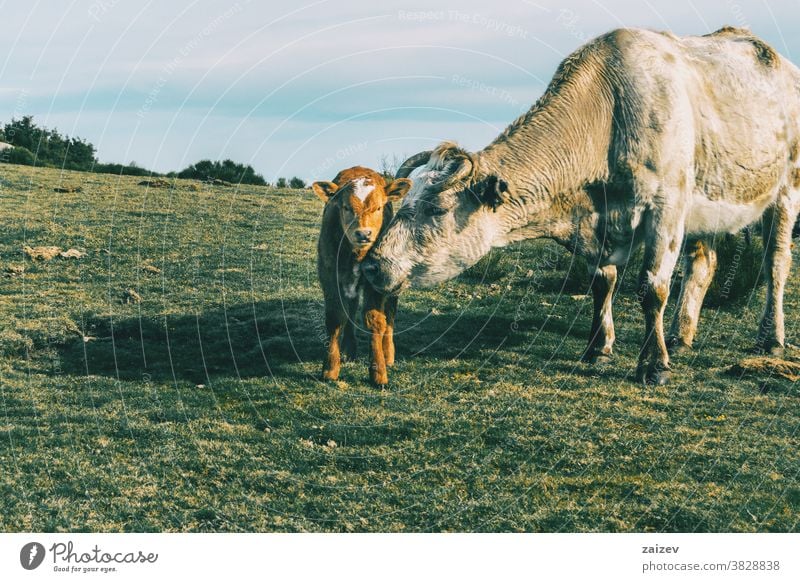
362	187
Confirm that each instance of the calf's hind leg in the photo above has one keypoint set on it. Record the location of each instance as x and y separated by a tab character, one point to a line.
334	322
349	343
700	263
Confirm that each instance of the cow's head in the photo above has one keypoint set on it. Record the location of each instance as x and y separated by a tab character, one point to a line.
360	195
448	221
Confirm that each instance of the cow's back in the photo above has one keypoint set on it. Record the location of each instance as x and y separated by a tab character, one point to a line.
726	102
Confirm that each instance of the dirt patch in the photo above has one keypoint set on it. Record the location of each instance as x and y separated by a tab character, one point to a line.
72	254
67	189
765	366
48	253
42	253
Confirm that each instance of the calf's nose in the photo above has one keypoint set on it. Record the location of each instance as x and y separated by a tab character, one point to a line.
364	235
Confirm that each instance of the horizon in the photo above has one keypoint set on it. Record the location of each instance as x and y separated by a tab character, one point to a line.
308	91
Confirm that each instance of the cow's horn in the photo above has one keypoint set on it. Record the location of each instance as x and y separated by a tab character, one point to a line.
412	163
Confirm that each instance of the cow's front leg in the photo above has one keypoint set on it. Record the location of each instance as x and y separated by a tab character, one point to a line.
662	245
700	263
601	335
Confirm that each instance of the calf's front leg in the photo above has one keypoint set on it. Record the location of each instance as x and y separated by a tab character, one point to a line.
375	319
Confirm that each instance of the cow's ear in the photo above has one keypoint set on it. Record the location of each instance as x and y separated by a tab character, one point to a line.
324	190
398	188
492	191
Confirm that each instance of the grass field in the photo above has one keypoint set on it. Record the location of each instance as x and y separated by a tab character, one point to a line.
199	408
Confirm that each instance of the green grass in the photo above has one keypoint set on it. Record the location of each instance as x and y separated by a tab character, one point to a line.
199	409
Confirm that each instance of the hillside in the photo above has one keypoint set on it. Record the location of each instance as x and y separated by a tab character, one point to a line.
168	380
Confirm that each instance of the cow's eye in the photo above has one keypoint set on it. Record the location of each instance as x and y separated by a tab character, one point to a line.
431	210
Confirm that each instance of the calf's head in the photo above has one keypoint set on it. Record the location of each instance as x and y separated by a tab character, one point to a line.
360	195
448	221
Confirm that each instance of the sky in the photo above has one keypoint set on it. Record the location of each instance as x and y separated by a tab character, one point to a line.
299	88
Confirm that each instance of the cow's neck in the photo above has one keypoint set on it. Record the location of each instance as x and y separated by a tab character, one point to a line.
550	155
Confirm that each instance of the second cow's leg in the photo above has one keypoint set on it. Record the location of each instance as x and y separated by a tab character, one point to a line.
777	244
700	263
664	237
601	335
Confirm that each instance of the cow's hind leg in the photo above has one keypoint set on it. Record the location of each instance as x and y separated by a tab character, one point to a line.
662	246
700	263
777	234
601	335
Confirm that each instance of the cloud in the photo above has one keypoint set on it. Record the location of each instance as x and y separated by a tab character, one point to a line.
255	80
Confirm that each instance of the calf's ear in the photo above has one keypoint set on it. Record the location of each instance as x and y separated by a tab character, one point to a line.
492	191
324	190
398	188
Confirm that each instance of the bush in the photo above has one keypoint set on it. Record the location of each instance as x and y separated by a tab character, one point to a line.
297	183
226	170
121	170
281	183
52	149
18	155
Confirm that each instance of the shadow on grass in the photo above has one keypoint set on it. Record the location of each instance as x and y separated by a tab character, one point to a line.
267	338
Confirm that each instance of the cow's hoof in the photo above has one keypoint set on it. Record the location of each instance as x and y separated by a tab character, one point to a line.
777	351
653	377
675	346
330	375
659	377
597	358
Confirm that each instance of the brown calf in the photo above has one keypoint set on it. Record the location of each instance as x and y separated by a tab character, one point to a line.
356	209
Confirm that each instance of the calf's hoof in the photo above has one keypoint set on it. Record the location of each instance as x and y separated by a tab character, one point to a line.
330	375
380	380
